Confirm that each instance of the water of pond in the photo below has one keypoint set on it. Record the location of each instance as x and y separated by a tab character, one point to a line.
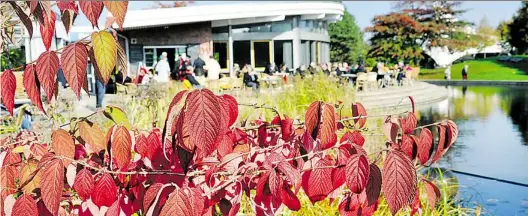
493	142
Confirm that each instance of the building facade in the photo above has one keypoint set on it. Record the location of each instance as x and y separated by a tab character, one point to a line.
290	33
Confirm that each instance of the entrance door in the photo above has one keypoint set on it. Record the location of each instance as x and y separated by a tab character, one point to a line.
171	55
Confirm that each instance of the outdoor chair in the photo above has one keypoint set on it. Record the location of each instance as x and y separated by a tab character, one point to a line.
372	81
393	80
361	80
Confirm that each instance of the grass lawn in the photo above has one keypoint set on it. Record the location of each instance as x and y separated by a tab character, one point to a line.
483	69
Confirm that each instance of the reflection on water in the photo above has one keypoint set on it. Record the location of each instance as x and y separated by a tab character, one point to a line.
493	142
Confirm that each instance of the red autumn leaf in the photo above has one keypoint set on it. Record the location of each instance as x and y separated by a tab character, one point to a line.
184	202
440	148
275	183
338	177
353	138
373	189
8	81
408	146
202	118
316	182
74	60
142	147
150	195
68	17
433	193
93	137
47	68
32	86
308	142
452	133
411	122
293	175
359	111
398	180
121	146
287	129
390	129
154	144
289	199
105	191
225	144
92	10
63	145
425	145
24	17
233	108
67	5
38	150
114	209
24	206
47	29
416	205
313	118
51	184
357	173
84	184
118	10
327	127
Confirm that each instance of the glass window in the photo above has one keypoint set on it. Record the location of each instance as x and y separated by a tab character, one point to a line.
150	57
283	53
220	53
282	26
221	29
242	52
264	27
302	24
262	53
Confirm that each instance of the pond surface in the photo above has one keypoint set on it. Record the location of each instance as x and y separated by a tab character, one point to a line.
493	142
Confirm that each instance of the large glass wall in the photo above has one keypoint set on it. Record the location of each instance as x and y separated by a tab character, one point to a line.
261	53
283	53
279	26
316	26
242	52
220	53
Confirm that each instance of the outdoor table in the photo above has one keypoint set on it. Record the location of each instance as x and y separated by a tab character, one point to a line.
350	78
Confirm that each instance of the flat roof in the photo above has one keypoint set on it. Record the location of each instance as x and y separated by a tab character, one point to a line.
224	14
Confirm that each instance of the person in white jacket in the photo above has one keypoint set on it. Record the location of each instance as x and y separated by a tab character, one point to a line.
163	69
213	69
447	73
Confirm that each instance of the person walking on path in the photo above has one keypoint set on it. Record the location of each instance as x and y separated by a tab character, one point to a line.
163	69
465	72
447	73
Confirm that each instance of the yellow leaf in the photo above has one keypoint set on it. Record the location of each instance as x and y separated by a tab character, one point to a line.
93	136
18	149
26	171
117	115
118	10
105	52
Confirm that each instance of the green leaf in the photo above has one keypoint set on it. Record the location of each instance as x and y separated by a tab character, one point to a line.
117	115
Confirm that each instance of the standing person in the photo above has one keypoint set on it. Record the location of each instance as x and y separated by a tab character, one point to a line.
447	73
213	68
198	65
180	68
100	90
465	72
163	69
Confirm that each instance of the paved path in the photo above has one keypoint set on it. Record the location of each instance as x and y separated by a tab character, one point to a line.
395	99
478	82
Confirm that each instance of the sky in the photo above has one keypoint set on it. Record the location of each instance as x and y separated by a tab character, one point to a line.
364	11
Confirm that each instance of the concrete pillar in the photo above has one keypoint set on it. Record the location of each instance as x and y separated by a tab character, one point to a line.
230	51
296	43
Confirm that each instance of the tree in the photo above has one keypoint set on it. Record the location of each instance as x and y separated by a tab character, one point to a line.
518	29
202	159
346	40
395	38
486	35
441	23
503	30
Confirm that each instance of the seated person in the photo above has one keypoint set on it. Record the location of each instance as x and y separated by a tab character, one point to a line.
119	78
284	68
251	79
313	69
271	69
147	77
190	77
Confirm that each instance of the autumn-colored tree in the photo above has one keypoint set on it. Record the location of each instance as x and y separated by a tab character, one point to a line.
396	37
486	35
204	158
442	23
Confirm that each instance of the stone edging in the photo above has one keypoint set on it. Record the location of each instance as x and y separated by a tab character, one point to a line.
477	82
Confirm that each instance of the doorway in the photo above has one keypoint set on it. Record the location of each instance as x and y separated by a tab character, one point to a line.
171	55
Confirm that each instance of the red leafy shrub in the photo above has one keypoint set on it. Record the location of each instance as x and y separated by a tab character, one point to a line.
202	159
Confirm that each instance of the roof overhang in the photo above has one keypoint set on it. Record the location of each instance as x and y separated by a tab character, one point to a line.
232	13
